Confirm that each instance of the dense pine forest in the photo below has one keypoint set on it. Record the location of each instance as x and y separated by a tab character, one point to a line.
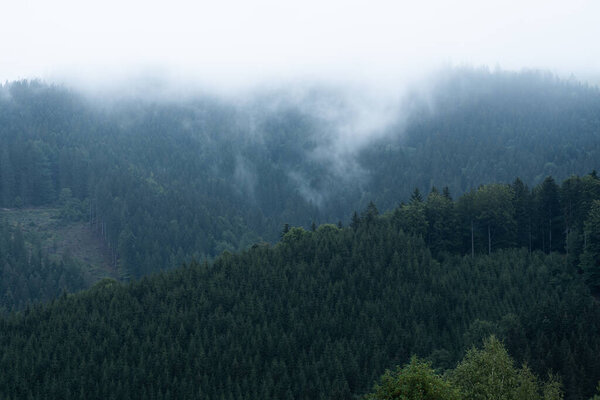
488	235
319	315
165	180
27	274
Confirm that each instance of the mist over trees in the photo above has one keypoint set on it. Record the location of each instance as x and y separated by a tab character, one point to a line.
238	171
305	261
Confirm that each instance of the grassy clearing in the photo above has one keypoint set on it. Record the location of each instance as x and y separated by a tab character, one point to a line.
59	238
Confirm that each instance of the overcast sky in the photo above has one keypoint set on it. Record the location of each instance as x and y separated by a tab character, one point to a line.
237	41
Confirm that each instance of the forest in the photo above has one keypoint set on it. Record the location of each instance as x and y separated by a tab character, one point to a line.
163	181
245	271
321	314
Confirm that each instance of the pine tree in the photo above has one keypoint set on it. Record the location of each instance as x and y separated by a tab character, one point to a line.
416	196
590	259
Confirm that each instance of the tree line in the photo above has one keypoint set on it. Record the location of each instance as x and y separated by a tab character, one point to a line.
549	217
322	314
166	181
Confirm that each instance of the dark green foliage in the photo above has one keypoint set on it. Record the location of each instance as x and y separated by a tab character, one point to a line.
324	312
27	274
548	215
590	259
484	127
198	177
523	214
441	223
320	315
416	196
494	212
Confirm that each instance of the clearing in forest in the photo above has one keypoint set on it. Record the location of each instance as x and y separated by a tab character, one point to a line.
60	238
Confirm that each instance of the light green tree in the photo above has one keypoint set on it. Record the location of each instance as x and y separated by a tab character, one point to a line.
597	395
416	381
490	374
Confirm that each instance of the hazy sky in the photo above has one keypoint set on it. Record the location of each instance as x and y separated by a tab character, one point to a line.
237	41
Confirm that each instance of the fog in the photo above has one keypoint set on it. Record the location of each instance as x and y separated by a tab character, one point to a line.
371	52
232	44
355	66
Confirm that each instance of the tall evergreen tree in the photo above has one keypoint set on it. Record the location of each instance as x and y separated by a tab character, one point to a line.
547	202
590	259
523	214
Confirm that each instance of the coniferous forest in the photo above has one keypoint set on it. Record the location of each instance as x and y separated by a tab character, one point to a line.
257	259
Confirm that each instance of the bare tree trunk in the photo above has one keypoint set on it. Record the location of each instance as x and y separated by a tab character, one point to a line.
530	236
550	241
489	240
472	241
543	241
567	228
567	246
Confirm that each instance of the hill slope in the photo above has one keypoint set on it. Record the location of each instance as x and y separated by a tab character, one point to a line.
320	315
168	180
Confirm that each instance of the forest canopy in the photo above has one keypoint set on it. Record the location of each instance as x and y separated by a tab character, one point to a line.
296	268
322	314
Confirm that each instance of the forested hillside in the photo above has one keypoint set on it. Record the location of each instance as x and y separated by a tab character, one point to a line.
28	275
480	128
319	315
284	291
162	181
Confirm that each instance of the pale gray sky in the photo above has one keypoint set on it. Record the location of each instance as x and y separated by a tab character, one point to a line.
237	41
